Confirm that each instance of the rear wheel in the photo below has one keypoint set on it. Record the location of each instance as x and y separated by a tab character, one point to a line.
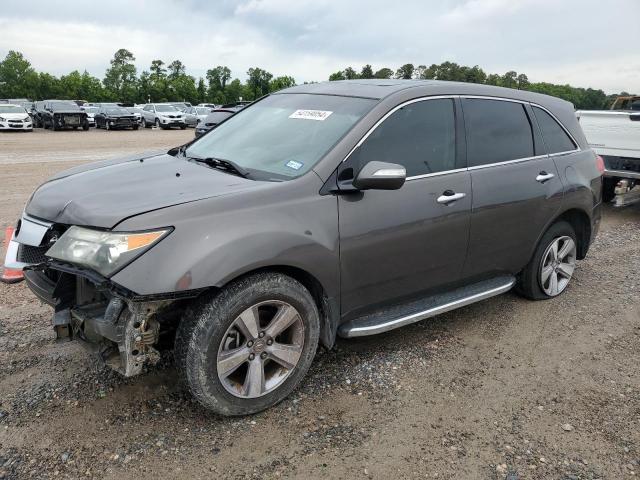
158	125
246	348
550	270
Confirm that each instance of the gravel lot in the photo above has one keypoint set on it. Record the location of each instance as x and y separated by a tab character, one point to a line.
506	388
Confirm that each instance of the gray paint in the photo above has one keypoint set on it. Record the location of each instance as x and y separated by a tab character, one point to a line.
366	249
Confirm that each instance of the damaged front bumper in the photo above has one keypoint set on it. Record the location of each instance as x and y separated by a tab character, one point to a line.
125	329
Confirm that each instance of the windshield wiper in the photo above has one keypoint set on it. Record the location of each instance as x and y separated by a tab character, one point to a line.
228	165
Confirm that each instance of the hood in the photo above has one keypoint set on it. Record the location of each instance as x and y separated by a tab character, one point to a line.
15	116
104	194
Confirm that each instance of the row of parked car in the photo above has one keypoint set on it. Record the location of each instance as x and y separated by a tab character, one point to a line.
20	114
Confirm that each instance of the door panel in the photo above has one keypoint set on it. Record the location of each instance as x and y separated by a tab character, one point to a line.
510	209
397	245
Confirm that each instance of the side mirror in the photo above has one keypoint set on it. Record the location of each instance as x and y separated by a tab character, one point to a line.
380	176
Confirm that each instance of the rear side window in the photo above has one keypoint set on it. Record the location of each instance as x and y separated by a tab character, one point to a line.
497	131
420	136
554	135
217	117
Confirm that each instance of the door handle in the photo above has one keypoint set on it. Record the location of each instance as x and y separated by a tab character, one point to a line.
544	176
450	196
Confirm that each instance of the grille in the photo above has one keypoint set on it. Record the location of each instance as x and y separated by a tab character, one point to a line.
31	254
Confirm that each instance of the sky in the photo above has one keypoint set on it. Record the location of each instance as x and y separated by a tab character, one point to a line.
586	43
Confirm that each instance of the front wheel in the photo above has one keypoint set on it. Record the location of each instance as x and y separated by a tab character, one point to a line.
247	348
550	270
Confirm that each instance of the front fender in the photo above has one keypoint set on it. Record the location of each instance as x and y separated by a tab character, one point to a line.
217	240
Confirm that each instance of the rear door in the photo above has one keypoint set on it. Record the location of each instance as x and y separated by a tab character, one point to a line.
516	187
398	245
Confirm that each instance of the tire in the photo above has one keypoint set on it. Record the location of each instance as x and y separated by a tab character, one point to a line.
75	128
182	127
44	124
135	127
53	124
85	126
143	122
107	126
157	123
531	282
608	188
204	335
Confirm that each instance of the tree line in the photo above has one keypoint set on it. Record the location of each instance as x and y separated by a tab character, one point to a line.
582	98
169	82
162	82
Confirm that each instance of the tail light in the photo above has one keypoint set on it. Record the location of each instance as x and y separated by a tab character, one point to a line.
600	164
10	275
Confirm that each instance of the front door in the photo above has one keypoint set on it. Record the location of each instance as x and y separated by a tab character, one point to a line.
398	245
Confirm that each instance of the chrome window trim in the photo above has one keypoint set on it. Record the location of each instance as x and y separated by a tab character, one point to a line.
391	112
507	162
436	174
476	167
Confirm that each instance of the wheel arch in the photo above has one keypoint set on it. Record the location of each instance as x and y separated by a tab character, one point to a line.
581	224
327	306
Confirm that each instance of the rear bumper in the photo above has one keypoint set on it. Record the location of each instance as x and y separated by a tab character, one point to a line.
621	167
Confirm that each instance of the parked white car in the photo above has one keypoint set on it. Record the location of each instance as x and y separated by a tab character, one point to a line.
14	117
195	115
163	115
90	111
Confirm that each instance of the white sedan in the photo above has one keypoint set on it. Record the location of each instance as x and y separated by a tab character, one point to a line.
14	117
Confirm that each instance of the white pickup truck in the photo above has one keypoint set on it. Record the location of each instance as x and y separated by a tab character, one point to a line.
615	136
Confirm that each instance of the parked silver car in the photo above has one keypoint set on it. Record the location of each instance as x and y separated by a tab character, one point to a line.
163	115
195	115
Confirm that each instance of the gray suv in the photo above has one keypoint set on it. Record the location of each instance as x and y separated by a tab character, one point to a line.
340	208
162	115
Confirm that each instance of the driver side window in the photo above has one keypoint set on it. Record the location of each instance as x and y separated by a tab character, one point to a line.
420	136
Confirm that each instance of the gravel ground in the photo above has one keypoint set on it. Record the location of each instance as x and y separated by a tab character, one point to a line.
506	388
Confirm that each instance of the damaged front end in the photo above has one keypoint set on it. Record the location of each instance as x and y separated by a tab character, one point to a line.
126	330
123	332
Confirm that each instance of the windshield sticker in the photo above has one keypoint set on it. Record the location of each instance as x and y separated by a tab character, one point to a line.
295	165
321	115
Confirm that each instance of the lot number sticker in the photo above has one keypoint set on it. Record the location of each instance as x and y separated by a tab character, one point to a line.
320	115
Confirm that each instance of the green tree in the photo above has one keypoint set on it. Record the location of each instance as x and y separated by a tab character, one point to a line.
158	81
120	79
279	83
176	69
258	82
202	90
17	78
350	73
337	76
218	78
509	79
383	73
366	72
405	71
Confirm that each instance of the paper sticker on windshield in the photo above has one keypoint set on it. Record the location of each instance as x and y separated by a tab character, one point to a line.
321	115
295	165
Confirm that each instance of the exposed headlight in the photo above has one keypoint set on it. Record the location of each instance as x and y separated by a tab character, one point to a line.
104	252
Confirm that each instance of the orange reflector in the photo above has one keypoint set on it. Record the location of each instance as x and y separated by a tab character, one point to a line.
137	240
10	275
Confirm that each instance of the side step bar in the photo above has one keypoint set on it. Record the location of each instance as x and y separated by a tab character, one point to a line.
402	315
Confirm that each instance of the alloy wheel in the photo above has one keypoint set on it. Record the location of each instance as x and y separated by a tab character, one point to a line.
558	265
260	349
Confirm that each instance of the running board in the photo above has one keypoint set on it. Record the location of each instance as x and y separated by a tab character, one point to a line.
401	315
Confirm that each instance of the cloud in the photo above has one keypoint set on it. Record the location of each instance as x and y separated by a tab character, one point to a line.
583	42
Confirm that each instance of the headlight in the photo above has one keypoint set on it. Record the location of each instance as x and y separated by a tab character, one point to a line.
2	119
104	252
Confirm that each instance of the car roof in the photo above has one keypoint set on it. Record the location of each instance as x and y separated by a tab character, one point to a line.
379	89
11	105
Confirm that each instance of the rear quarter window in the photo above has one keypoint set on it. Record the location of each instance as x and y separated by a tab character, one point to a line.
497	131
554	135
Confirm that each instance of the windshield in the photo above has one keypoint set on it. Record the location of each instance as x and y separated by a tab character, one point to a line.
117	111
90	109
64	106
166	108
203	111
284	135
11	109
